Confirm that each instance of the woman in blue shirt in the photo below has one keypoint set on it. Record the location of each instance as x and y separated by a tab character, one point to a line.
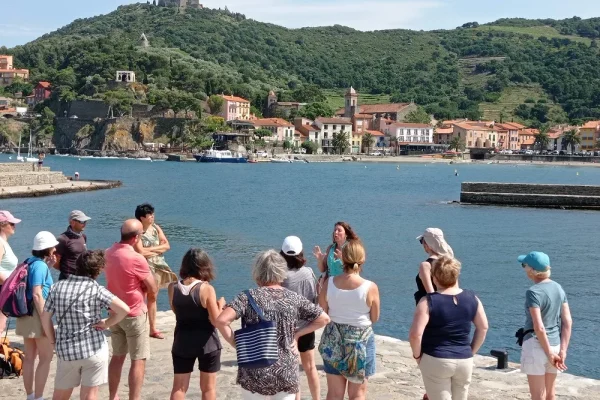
30	328
440	333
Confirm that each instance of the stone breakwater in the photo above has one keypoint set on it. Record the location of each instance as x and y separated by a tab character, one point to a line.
397	375
25	180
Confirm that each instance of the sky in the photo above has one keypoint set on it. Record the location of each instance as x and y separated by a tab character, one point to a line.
19	25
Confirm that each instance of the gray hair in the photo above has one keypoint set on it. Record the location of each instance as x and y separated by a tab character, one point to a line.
269	268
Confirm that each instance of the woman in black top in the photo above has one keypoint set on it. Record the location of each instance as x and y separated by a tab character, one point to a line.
435	246
194	302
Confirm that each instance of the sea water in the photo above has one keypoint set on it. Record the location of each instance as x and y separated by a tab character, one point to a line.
235	211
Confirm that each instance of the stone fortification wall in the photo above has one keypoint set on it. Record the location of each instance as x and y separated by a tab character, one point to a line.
531	195
31	179
88	109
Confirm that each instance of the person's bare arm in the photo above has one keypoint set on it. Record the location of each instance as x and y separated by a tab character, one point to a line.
164	245
38	299
150	285
425	276
374	303
119	310
420	321
224	321
208	297
46	318
323	297
321	258
565	332
540	334
170	291
481	328
145	251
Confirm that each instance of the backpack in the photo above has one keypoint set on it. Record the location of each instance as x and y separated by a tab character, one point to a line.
13	296
11	360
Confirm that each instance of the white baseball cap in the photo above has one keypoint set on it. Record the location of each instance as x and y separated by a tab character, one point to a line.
44	240
434	238
292	246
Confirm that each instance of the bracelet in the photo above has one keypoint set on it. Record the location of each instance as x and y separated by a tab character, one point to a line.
418	358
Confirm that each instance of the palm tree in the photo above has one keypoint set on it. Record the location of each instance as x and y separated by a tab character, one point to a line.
571	138
340	142
457	144
368	140
543	140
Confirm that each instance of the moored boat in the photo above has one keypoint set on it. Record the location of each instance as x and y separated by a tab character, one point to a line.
280	160
221	156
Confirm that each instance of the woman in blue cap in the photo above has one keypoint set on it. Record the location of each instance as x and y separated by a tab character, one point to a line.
547	329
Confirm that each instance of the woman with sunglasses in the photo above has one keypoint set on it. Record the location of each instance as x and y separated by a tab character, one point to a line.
435	246
8	260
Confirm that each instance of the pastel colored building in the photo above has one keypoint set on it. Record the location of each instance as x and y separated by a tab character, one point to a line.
8	73
590	134
281	129
235	108
476	135
331	126
411	133
509	135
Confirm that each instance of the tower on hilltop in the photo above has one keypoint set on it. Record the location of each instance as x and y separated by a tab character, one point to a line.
351	103
271	99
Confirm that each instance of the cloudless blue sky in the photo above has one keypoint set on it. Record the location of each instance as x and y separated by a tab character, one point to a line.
21	24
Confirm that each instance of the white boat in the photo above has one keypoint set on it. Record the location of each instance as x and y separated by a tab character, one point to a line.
280	160
30	157
220	156
19	157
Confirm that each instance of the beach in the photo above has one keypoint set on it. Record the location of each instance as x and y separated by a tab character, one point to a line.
397	375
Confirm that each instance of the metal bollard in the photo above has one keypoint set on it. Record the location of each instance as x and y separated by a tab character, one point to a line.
502	356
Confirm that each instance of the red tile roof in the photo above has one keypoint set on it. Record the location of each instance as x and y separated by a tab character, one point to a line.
378	108
443	131
234	98
363	116
591	125
299	132
409	125
375	133
44	84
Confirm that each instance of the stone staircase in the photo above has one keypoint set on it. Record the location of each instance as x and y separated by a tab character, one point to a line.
26	174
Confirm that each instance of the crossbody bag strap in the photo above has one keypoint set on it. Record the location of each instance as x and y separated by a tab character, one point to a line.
71	305
255	306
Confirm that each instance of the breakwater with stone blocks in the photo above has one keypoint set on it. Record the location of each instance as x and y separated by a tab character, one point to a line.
397	376
25	180
531	195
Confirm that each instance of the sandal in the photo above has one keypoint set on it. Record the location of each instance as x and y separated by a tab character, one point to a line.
157	335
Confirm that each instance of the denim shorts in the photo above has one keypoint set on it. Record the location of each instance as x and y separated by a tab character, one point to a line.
371	360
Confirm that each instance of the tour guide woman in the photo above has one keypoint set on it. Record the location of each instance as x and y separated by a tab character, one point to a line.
330	262
440	334
280	380
547	327
348	343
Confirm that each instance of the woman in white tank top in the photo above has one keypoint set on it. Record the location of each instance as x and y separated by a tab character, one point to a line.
348	342
8	260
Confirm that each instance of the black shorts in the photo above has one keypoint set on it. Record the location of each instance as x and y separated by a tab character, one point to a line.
306	342
210	362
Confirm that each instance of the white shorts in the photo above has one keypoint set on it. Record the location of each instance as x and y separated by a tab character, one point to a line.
89	372
534	360
247	395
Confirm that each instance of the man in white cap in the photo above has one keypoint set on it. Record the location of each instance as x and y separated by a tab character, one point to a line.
71	244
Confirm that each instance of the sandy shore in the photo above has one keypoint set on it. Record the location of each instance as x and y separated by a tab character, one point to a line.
397	376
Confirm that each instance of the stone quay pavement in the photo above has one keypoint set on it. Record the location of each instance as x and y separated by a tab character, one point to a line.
397	376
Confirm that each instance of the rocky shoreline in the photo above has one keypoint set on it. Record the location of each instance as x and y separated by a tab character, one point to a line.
397	377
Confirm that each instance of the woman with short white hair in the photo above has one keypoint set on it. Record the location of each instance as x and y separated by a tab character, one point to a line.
547	329
278	381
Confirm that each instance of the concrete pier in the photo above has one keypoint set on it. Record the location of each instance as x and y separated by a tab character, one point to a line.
24	180
531	195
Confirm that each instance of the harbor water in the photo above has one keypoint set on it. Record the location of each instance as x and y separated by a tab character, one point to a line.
233	211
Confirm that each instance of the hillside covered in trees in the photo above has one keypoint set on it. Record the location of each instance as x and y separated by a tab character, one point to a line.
472	71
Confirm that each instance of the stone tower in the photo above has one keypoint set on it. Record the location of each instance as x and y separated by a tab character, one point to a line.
351	103
271	99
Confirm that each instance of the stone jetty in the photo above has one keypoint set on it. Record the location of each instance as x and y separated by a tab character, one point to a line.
531	195
397	377
24	180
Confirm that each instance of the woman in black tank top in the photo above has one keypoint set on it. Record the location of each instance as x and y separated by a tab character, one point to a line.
194	302
435	246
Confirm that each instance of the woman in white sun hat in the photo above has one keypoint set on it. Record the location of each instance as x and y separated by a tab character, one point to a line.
30	327
435	246
8	259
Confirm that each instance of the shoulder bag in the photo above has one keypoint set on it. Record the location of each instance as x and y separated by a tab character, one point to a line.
256	344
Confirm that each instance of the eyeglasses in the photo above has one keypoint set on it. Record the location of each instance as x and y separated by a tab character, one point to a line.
523	265
421	240
12	224
82	222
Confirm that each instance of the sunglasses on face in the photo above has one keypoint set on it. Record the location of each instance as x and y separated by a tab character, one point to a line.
82	223
523	265
421	240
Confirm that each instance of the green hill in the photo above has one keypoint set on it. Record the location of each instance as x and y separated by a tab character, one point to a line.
466	72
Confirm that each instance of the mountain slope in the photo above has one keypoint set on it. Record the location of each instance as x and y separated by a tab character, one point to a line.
212	51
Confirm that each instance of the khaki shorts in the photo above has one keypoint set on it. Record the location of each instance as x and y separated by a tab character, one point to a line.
30	327
88	372
132	336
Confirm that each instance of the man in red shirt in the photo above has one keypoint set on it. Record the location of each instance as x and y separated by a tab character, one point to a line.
128	277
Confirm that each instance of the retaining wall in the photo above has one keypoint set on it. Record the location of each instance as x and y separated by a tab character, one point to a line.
531	195
31	178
